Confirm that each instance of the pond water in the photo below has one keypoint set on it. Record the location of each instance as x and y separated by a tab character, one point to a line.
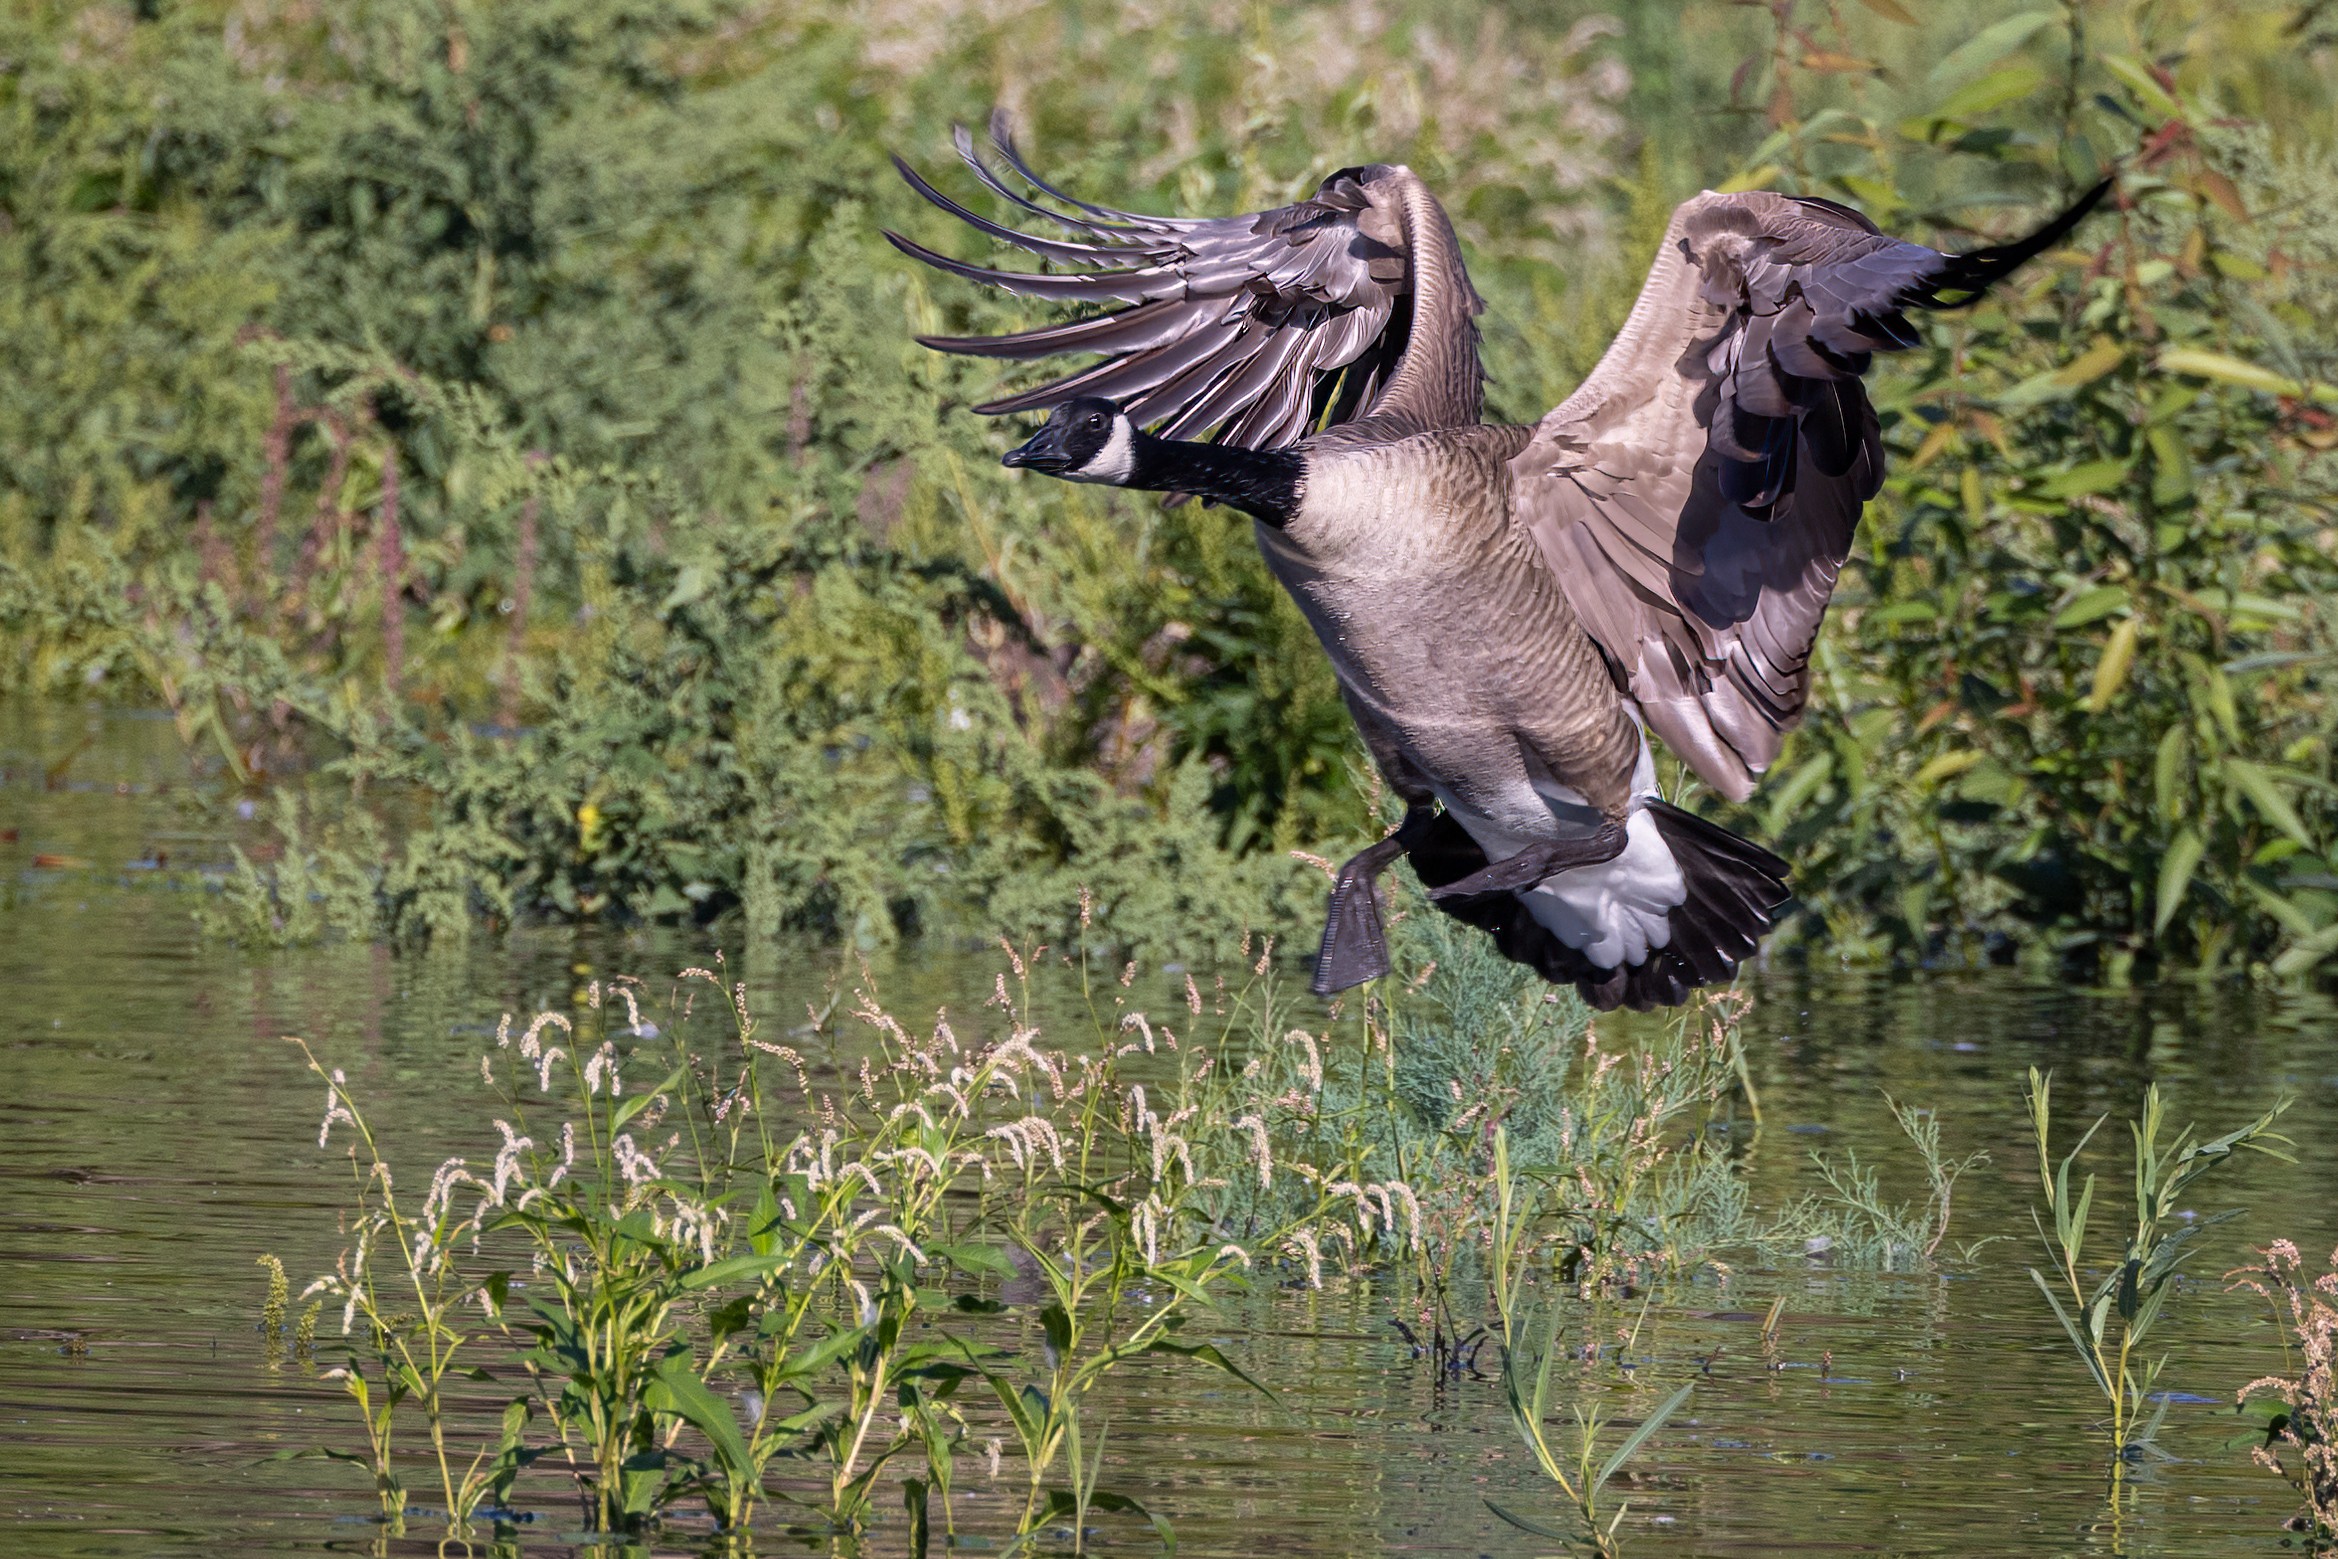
156	1137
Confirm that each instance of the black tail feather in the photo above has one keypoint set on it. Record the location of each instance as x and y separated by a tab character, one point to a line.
1736	893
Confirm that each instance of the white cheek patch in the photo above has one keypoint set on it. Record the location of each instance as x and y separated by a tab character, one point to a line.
1116	461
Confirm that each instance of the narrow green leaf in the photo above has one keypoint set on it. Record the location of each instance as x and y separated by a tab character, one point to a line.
2070	1329
1991	44
2254	783
1208	1353
2195	363
730	1270
2175	876
642	1101
1639	1437
2304	955
2090	606
1123	1505
2110	672
822	1353
2146	86
1991	92
1536	1528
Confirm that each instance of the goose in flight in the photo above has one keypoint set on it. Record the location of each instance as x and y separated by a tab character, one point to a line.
1509	610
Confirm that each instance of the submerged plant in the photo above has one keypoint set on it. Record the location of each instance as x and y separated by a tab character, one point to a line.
2301	1443
2110	1322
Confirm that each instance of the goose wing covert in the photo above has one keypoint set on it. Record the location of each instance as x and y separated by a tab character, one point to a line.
1264	326
1697	494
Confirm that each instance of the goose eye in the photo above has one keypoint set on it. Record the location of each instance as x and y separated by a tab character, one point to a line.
1095	419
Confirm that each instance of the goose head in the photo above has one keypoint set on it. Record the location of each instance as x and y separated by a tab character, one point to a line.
1087	439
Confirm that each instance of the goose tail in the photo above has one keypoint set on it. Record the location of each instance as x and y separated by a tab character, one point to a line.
1735	892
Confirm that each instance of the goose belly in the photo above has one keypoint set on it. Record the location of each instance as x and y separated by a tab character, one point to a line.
1456	648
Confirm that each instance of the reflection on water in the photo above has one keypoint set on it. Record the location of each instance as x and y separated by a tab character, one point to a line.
155	1137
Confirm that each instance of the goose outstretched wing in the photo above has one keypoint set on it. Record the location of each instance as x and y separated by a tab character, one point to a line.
1697	494
1265	327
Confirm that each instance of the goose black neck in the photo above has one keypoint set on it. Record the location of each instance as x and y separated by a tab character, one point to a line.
1264	484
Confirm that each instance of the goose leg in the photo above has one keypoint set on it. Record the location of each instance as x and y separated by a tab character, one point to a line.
1355	949
1539	863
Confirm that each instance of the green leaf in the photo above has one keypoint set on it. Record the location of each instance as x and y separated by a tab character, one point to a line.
2196	363
2070	1329
2144	84
1800	786
1535	1528
676	1389
2091	606
823	1353
1208	1353
1122	1505
975	1258
1993	91
2307	953
2110	672
730	1270
1991	44
2254	783
2175	875
2096	476
1639	1437
642	1101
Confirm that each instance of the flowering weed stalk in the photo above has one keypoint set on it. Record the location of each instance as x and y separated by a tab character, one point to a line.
2301	1443
398	1258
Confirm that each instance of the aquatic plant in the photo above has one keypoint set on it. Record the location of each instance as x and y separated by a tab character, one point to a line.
2301	1443
725	1228
2110	1322
400	1256
1529	1344
1852	1222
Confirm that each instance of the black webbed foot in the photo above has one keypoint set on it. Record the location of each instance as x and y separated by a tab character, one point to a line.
1539	863
1355	948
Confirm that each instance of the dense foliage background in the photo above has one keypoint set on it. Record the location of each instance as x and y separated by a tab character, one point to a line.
494	431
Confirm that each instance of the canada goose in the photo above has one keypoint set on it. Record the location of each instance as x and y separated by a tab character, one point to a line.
1508	609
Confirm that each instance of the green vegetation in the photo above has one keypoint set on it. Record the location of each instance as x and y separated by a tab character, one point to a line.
885	1275
706	1270
639	1254
706	597
1529	1347
2109	1322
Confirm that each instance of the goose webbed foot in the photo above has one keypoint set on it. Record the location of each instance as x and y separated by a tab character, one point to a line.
1355	948
1539	863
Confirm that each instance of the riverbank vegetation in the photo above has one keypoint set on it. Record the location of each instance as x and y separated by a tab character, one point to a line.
495	433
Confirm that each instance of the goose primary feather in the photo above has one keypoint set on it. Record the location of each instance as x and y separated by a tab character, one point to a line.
1510	610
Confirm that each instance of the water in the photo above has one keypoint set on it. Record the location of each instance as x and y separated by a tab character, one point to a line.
156	1136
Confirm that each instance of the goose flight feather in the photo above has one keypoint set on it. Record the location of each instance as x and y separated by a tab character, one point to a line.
1507	608
1696	495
